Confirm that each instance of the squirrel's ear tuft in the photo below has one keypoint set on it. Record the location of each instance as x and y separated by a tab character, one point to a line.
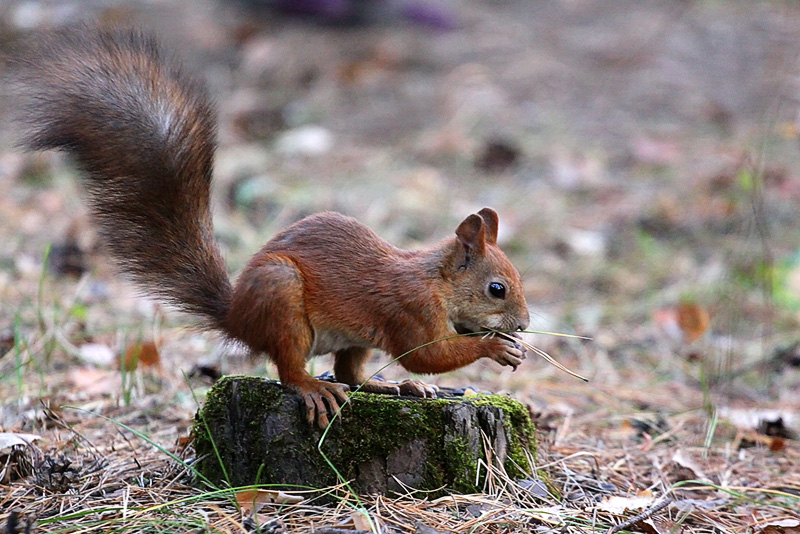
491	221
472	234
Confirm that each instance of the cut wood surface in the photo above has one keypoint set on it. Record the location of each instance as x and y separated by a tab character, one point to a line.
254	431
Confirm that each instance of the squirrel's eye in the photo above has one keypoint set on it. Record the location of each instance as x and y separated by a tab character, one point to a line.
497	290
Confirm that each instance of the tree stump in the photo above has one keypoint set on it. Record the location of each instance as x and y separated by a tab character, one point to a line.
254	431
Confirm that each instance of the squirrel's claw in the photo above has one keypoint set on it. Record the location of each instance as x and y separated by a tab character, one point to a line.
380	386
418	388
322	398
414	388
315	410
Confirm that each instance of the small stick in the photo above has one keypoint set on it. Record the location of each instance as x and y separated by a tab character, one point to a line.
541	353
644	515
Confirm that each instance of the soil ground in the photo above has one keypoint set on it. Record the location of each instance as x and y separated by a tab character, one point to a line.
644	161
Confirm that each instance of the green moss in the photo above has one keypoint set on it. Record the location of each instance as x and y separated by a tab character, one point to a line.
519	432
463	465
371	426
213	451
385	421
380	424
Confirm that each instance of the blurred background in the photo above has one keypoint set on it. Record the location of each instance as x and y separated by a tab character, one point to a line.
643	157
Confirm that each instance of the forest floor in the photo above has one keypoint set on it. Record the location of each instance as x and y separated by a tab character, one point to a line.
645	161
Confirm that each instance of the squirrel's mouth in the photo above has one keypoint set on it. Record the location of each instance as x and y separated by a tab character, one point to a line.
462	329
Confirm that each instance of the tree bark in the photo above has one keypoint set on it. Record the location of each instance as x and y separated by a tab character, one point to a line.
254	431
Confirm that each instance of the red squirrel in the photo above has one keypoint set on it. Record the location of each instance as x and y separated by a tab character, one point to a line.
143	133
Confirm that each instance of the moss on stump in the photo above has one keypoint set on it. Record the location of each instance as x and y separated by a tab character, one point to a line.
253	431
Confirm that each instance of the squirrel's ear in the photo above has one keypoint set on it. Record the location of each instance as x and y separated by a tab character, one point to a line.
472	234
491	220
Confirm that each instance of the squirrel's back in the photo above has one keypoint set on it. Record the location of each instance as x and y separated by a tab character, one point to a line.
144	133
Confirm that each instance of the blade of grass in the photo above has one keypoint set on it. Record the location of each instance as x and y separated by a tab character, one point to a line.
40	291
209	433
556	334
541	353
18	355
146	439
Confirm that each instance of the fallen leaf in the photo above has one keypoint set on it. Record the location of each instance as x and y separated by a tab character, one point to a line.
777	444
619	505
145	354
687	468
252	501
686	322
693	321
362	521
13	439
182	442
536	486
784	526
15	463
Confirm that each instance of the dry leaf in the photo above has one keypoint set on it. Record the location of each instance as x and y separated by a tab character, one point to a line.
362	521
14	457
687	468
686	322
252	501
693	321
145	354
182	442
777	443
13	439
784	526
619	505
749	438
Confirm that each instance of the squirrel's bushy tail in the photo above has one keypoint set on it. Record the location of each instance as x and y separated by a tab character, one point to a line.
144	134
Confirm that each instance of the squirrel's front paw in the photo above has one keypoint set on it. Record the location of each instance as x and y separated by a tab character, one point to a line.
322	398
506	351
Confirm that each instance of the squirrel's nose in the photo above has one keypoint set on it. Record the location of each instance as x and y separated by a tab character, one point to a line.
523	323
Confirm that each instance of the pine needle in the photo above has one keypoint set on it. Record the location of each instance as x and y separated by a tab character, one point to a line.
541	353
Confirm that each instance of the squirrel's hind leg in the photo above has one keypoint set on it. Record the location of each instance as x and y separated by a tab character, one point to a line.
270	292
